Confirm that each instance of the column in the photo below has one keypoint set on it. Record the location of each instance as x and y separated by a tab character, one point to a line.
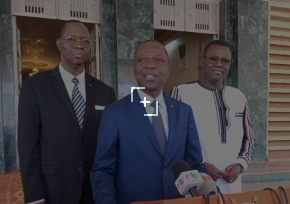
8	150
244	24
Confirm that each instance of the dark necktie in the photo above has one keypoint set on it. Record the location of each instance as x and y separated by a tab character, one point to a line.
78	102
158	127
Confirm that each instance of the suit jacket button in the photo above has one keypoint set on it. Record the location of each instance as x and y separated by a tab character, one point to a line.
162	196
80	167
164	171
83	143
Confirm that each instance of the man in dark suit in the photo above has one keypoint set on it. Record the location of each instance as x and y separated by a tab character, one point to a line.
135	152
59	115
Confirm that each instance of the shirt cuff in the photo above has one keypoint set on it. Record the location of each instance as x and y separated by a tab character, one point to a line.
242	162
38	201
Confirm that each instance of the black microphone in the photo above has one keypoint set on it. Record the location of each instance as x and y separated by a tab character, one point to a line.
187	180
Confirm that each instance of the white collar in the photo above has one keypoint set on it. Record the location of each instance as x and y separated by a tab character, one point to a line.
159	98
68	76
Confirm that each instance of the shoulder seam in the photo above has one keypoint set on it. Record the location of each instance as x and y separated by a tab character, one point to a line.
191	82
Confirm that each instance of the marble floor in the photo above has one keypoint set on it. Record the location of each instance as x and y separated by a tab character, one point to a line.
279	171
258	167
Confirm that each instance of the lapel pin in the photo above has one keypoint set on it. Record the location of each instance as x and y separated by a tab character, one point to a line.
90	84
171	106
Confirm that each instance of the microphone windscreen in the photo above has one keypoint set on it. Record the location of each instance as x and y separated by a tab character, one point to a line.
179	167
208	187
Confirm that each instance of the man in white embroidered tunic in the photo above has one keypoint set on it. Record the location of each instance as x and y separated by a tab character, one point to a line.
222	118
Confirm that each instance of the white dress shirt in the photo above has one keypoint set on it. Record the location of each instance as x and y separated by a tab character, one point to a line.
67	79
161	108
69	85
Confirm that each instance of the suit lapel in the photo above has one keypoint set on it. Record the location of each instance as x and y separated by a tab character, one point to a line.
138	111
90	95
171	112
62	91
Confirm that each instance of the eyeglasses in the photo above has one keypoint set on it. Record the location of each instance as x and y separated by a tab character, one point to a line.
214	60
74	41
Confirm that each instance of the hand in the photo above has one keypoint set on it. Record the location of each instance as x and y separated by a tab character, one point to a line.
233	171
214	172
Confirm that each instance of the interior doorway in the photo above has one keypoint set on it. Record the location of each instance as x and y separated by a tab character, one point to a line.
38	50
184	51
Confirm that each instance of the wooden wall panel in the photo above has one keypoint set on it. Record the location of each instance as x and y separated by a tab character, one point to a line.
279	82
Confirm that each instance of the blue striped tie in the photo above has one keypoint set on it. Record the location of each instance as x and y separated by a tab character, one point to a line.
78	102
159	130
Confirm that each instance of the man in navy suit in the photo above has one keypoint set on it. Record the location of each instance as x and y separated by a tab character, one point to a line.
135	151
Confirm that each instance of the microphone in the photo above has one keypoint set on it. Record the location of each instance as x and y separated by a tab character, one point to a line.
187	180
208	187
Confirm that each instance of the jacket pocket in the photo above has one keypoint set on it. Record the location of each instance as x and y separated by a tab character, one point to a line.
48	170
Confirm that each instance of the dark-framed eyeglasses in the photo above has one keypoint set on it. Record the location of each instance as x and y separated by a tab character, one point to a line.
74	41
214	60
